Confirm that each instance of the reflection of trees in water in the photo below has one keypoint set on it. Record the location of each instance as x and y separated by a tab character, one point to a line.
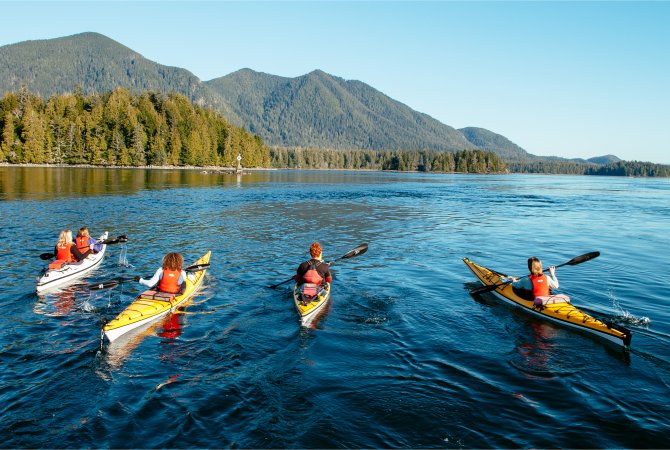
51	182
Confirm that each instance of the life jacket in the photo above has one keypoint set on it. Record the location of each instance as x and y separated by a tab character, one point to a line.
82	243
169	282
64	253
540	285
312	275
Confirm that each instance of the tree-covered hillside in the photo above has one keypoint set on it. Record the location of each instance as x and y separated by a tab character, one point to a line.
320	110
95	64
121	128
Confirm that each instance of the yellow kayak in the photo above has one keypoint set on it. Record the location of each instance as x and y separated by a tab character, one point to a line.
309	308
152	305
560	310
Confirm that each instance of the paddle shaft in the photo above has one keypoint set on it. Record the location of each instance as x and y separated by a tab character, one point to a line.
350	254
112	283
573	262
122	238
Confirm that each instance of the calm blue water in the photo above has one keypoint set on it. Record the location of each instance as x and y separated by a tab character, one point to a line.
403	357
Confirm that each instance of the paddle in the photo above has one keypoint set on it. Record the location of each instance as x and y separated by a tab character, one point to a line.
350	254
573	262
120	239
116	282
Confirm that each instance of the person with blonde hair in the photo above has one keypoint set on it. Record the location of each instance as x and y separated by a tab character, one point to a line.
171	277
67	251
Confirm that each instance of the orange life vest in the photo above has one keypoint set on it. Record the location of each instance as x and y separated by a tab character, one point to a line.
312	276
169	282
64	253
82	243
540	285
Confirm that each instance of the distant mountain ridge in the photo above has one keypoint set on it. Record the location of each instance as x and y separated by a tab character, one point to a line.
314	110
322	110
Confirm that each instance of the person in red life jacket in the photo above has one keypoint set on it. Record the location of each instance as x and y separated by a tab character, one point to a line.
314	270
85	242
537	284
170	277
67	251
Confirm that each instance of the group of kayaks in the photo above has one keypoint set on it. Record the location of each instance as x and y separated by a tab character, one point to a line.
152	305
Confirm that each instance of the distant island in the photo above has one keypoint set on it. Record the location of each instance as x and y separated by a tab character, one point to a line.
314	120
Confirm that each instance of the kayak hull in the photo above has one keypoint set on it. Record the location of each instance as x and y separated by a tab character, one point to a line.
53	278
563	313
151	305
309	311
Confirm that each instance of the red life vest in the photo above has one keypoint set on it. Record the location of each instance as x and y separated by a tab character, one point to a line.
64	253
82	243
540	285
169	282
312	276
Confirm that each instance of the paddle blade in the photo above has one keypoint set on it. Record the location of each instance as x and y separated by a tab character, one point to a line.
357	251
45	256
583	258
197	267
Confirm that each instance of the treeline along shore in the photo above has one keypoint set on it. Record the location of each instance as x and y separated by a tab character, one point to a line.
121	128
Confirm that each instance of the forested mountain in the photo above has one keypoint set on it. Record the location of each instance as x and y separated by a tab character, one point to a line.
497	143
96	64
316	111
321	110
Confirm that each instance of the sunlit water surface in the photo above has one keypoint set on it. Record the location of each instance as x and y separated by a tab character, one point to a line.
402	357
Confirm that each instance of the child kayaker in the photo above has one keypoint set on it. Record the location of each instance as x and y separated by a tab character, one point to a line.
537	284
67	251
170	278
85	242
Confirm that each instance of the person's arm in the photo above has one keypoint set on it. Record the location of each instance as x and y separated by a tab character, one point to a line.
77	254
551	279
153	280
299	273
327	275
96	246
183	276
523	283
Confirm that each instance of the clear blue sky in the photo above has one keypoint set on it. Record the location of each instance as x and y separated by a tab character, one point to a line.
569	79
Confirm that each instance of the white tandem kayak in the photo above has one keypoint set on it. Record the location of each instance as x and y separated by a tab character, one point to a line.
68	272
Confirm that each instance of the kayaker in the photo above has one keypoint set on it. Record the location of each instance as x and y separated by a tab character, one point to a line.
84	241
67	251
314	270
170	278
537	284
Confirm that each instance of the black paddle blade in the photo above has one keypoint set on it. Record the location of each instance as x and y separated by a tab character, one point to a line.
45	256
122	238
197	267
583	258
357	251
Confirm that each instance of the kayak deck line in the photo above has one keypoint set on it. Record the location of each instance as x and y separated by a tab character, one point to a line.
563	312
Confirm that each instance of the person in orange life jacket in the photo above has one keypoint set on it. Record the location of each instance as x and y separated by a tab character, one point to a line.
170	277
537	284
314	270
66	250
84	241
